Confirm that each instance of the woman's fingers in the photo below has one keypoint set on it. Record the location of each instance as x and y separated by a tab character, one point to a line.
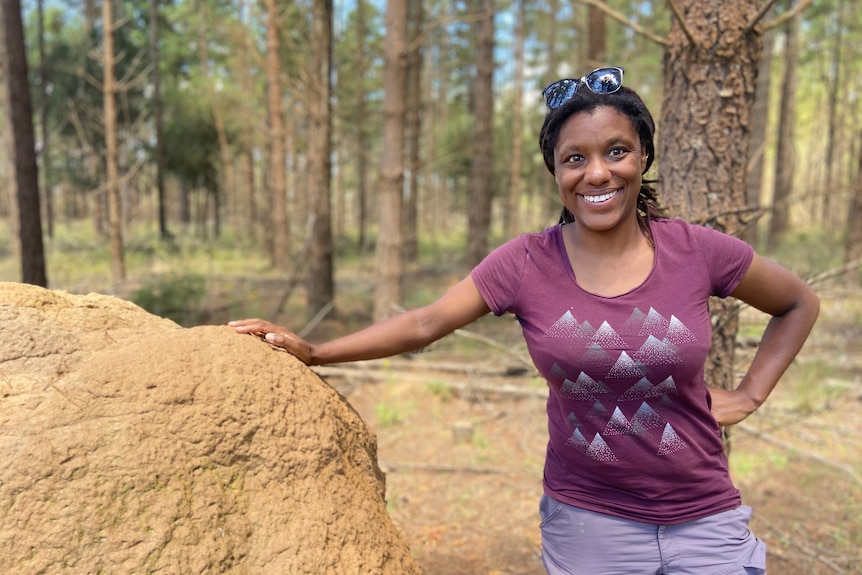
254	325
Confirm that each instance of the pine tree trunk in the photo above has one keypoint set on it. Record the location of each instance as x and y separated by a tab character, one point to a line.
158	121
389	266
362	142
596	43
853	243
709	90
512	221
756	161
320	285
24	150
413	129
280	236
112	184
47	192
785	156
481	170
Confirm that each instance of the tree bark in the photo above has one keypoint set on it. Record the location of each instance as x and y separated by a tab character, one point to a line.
549	200
756	160
710	69
320	286
280	247
112	184
158	122
47	192
596	44
785	155
853	243
481	170
226	185
24	150
362	161
831	166
413	129
389	265
512	220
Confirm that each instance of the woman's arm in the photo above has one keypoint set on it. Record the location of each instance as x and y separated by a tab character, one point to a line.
408	331
793	306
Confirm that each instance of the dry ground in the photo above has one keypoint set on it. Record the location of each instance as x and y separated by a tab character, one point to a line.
464	463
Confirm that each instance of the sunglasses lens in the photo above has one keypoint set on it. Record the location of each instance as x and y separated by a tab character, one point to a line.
604	80
559	92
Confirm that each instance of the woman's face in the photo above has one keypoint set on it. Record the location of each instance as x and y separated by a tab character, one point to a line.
598	161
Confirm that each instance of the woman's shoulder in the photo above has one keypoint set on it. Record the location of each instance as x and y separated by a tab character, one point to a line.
680	230
534	240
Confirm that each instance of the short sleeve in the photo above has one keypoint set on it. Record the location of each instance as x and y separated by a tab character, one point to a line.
500	275
726	257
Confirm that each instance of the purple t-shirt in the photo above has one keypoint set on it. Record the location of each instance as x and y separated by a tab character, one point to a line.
630	428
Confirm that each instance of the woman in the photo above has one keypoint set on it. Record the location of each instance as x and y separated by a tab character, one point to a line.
613	306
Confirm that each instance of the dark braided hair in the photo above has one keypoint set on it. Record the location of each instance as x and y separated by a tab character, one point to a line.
628	103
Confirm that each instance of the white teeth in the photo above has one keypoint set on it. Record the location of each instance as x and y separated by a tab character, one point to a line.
601	198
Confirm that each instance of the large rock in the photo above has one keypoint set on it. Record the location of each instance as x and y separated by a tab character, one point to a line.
131	445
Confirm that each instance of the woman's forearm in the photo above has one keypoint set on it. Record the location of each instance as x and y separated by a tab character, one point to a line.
781	342
392	336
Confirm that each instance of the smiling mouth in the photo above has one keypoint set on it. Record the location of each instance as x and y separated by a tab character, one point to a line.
601	198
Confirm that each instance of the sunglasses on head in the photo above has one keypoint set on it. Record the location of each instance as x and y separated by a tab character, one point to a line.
599	81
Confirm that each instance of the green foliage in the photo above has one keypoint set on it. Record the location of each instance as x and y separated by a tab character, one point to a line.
191	150
388	415
810	251
176	296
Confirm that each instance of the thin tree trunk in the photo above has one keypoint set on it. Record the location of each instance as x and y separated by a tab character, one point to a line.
784	166
441	221
389	265
280	236
549	200
759	117
362	135
596	43
26	170
413	129
479	209
831	165
109	91
320	285
513	210
47	191
226	185
249	213
158	121
853	243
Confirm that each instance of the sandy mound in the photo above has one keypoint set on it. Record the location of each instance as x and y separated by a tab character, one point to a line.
132	446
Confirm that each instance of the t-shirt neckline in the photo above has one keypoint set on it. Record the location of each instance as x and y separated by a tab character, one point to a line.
564	255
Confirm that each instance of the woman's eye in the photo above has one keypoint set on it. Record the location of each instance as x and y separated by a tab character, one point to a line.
574	158
617	152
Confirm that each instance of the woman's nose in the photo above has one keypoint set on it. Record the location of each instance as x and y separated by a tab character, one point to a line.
597	171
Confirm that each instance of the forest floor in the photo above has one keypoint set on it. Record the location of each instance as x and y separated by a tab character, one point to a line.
461	436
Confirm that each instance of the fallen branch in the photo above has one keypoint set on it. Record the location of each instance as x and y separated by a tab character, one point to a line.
395	467
463	368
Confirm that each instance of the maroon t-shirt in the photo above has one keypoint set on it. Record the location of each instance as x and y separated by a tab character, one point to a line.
630	428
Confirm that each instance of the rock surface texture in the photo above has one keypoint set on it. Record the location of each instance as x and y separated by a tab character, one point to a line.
131	445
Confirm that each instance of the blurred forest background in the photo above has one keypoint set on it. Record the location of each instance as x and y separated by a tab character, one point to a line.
297	138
